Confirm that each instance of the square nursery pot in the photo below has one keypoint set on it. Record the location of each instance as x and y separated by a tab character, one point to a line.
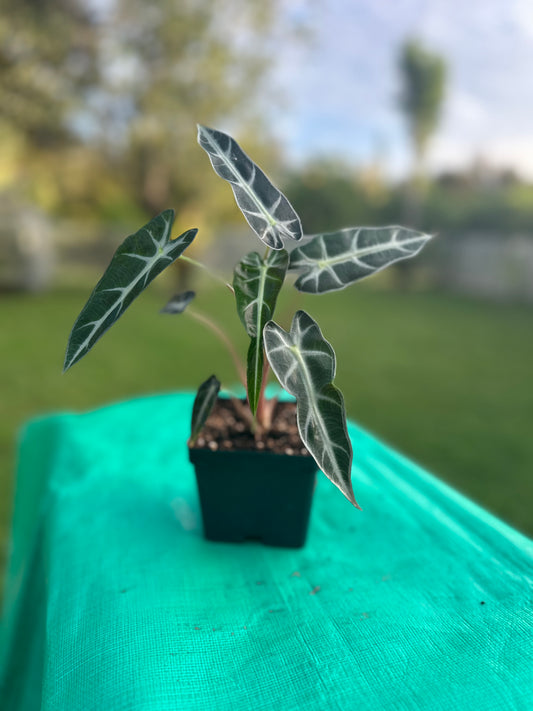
255	495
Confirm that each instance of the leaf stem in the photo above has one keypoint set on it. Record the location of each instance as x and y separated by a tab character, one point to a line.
209	271
219	333
265	408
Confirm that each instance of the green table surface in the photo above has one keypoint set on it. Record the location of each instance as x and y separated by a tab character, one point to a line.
114	601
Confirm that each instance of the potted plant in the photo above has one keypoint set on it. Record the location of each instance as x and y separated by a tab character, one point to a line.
256	458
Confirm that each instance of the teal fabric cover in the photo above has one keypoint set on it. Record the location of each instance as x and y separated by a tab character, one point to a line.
114	601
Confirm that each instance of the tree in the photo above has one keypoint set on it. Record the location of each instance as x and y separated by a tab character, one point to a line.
424	78
115	95
47	60
170	65
328	195
423	83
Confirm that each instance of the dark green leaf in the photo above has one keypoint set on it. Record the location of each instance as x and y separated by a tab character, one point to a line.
138	260
333	261
254	371
257	283
304	363
178	303
266	209
203	404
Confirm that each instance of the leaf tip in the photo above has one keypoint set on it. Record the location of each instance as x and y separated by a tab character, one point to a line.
167	216
67	365
69	360
188	236
201	129
178	303
348	491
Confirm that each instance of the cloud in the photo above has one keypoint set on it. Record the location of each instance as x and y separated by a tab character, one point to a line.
455	152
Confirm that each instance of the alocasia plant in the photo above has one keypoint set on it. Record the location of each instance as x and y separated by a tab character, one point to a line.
301	358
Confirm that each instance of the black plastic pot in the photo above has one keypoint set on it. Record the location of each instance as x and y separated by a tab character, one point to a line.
255	495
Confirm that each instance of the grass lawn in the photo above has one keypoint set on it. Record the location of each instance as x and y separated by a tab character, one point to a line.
444	379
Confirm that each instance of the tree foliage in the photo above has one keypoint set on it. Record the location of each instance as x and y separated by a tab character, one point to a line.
330	193
171	65
48	58
492	202
101	103
424	78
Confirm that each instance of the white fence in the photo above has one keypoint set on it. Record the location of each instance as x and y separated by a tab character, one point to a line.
485	265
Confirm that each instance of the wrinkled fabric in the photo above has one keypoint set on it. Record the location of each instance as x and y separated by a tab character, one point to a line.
115	601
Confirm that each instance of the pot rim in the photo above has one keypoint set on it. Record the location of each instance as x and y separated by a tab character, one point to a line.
250	452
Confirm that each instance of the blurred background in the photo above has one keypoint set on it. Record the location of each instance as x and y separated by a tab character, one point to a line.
364	112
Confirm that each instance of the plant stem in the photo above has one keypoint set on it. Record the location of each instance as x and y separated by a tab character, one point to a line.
209	271
201	318
265	407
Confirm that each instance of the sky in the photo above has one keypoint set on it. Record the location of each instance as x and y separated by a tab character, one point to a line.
342	88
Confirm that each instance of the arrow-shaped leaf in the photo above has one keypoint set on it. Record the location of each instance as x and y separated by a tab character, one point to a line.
266	209
178	303
333	261
257	283
138	260
304	363
203	404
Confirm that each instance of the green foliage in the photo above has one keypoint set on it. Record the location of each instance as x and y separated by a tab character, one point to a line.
138	260
179	62
96	98
266	209
203	404
304	363
454	202
257	283
302	359
424	77
334	261
466	206
327	195
48	55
